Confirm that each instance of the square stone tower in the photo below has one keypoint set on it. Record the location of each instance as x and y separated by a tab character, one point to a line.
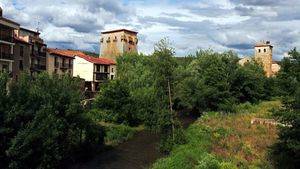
263	54
114	43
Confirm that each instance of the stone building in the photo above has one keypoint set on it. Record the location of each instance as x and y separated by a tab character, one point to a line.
7	43
60	61
21	57
117	42
37	49
264	55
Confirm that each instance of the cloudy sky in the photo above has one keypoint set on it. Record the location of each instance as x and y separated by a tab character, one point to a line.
190	25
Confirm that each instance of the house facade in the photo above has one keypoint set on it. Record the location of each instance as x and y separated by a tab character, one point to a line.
37	49
7	43
115	43
94	70
21	57
60	62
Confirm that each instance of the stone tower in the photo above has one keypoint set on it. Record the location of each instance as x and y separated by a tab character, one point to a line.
263	54
117	42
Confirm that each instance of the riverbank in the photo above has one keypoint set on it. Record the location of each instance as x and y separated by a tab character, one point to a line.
226	141
140	151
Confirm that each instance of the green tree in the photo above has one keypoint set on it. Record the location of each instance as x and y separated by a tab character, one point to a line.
45	125
286	152
249	83
209	83
289	76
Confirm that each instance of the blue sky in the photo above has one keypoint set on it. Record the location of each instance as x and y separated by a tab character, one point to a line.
190	25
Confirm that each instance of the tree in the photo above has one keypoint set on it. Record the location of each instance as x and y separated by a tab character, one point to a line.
209	82
286	152
288	76
46	126
249	83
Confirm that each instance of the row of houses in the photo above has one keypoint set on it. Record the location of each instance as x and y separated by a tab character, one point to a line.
23	50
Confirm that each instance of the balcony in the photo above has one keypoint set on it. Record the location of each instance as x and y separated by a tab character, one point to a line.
56	64
6	56
6	39
39	54
37	67
101	76
64	66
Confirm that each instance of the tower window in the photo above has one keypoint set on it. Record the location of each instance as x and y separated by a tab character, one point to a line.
115	40
265	50
258	50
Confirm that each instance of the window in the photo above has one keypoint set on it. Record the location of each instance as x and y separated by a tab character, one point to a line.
112	77
115	40
105	69
21	64
70	63
265	50
22	51
112	70
55	71
97	68
56	62
64	62
258	50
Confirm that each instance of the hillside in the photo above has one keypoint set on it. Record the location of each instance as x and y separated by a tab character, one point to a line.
226	141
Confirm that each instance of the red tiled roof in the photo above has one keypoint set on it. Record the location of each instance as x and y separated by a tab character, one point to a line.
62	52
73	53
103	61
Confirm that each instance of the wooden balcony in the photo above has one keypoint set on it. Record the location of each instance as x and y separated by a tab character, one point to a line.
6	56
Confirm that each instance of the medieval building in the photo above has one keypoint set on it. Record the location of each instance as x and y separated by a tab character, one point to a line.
117	42
263	54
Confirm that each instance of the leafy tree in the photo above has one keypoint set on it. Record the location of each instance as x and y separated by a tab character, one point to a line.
289	76
249	83
209	83
286	152
46	126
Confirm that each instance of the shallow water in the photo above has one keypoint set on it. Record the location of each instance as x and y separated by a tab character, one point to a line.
137	153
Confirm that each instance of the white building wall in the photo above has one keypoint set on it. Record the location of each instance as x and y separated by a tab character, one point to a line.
83	69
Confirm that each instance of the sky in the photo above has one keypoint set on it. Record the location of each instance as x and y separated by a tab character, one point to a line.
190	25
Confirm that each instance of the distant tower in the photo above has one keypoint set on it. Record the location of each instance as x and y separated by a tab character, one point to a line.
1	12
117	42
263	55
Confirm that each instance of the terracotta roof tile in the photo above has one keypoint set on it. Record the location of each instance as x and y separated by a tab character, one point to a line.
73	53
62	52
103	61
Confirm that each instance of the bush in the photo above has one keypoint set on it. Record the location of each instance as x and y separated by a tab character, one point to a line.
43	125
116	134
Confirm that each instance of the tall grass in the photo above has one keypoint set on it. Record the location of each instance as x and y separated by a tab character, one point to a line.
224	141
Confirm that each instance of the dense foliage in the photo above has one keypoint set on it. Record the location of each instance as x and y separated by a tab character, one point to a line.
43	122
214	81
286	152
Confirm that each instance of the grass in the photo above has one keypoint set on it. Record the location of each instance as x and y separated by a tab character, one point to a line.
118	133
226	141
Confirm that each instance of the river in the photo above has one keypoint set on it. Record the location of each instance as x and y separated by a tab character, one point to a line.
137	153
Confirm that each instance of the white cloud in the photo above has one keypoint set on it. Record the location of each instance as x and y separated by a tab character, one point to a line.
220	25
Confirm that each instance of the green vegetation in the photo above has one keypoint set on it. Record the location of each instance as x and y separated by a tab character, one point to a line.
42	122
286	151
115	134
219	140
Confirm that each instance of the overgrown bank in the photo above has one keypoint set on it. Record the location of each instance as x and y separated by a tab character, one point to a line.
226	141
